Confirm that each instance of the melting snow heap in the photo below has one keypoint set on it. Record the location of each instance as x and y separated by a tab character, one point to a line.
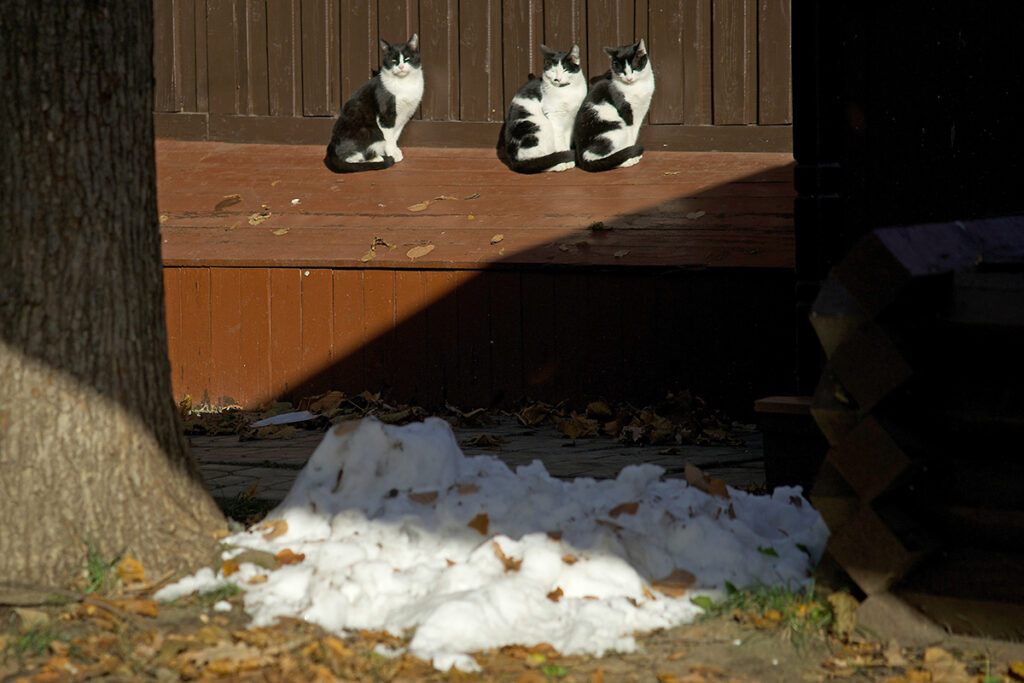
393	528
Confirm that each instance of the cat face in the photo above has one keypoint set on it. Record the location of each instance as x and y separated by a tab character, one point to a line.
560	68
401	59
629	62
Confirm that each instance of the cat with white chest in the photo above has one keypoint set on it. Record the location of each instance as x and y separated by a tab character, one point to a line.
537	135
365	136
608	122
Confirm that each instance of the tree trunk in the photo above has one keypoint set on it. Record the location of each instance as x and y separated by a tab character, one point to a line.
92	457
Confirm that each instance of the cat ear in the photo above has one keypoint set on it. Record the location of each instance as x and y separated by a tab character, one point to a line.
574	54
414	42
640	48
610	51
546	50
385	45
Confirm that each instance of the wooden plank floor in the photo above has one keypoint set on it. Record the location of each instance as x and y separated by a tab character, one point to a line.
689	209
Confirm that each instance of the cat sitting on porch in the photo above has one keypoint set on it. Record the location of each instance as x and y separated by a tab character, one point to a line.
607	124
365	136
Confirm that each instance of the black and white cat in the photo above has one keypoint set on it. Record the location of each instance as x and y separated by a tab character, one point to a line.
538	130
608	122
365	136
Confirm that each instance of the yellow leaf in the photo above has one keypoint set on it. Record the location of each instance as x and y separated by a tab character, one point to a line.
422	206
444	197
1016	670
419	251
368	256
480	523
229	567
281	231
470	217
497	238
259	578
131	570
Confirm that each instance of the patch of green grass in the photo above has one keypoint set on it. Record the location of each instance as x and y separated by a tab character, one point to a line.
32	642
225	592
800	614
99	570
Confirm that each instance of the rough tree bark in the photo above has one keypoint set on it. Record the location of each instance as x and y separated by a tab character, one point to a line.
91	451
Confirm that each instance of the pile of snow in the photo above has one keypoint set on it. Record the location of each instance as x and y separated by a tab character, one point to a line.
393	528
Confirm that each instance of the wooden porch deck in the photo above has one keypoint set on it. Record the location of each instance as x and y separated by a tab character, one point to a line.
675	209
448	277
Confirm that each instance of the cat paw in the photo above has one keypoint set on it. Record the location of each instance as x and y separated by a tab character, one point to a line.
564	166
396	154
630	162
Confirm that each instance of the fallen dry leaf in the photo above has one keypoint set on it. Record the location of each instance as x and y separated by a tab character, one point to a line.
475	195
257	579
281	231
141	607
421	206
624	509
229	567
287	556
555	595
497	238
417	252
130	570
274	529
368	256
444	197
466	489
621	252
423	497
694	215
229	200
260	216
511	564
480	523
483	441
672	172
675	584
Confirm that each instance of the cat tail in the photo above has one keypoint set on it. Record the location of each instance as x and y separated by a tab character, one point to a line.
611	161
541	164
338	166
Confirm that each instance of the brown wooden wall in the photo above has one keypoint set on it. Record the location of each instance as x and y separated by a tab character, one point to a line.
248	335
279	70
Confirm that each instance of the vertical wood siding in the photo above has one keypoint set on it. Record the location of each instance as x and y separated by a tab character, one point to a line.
474	338
718	62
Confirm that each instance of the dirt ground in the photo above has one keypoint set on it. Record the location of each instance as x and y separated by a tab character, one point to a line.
132	638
